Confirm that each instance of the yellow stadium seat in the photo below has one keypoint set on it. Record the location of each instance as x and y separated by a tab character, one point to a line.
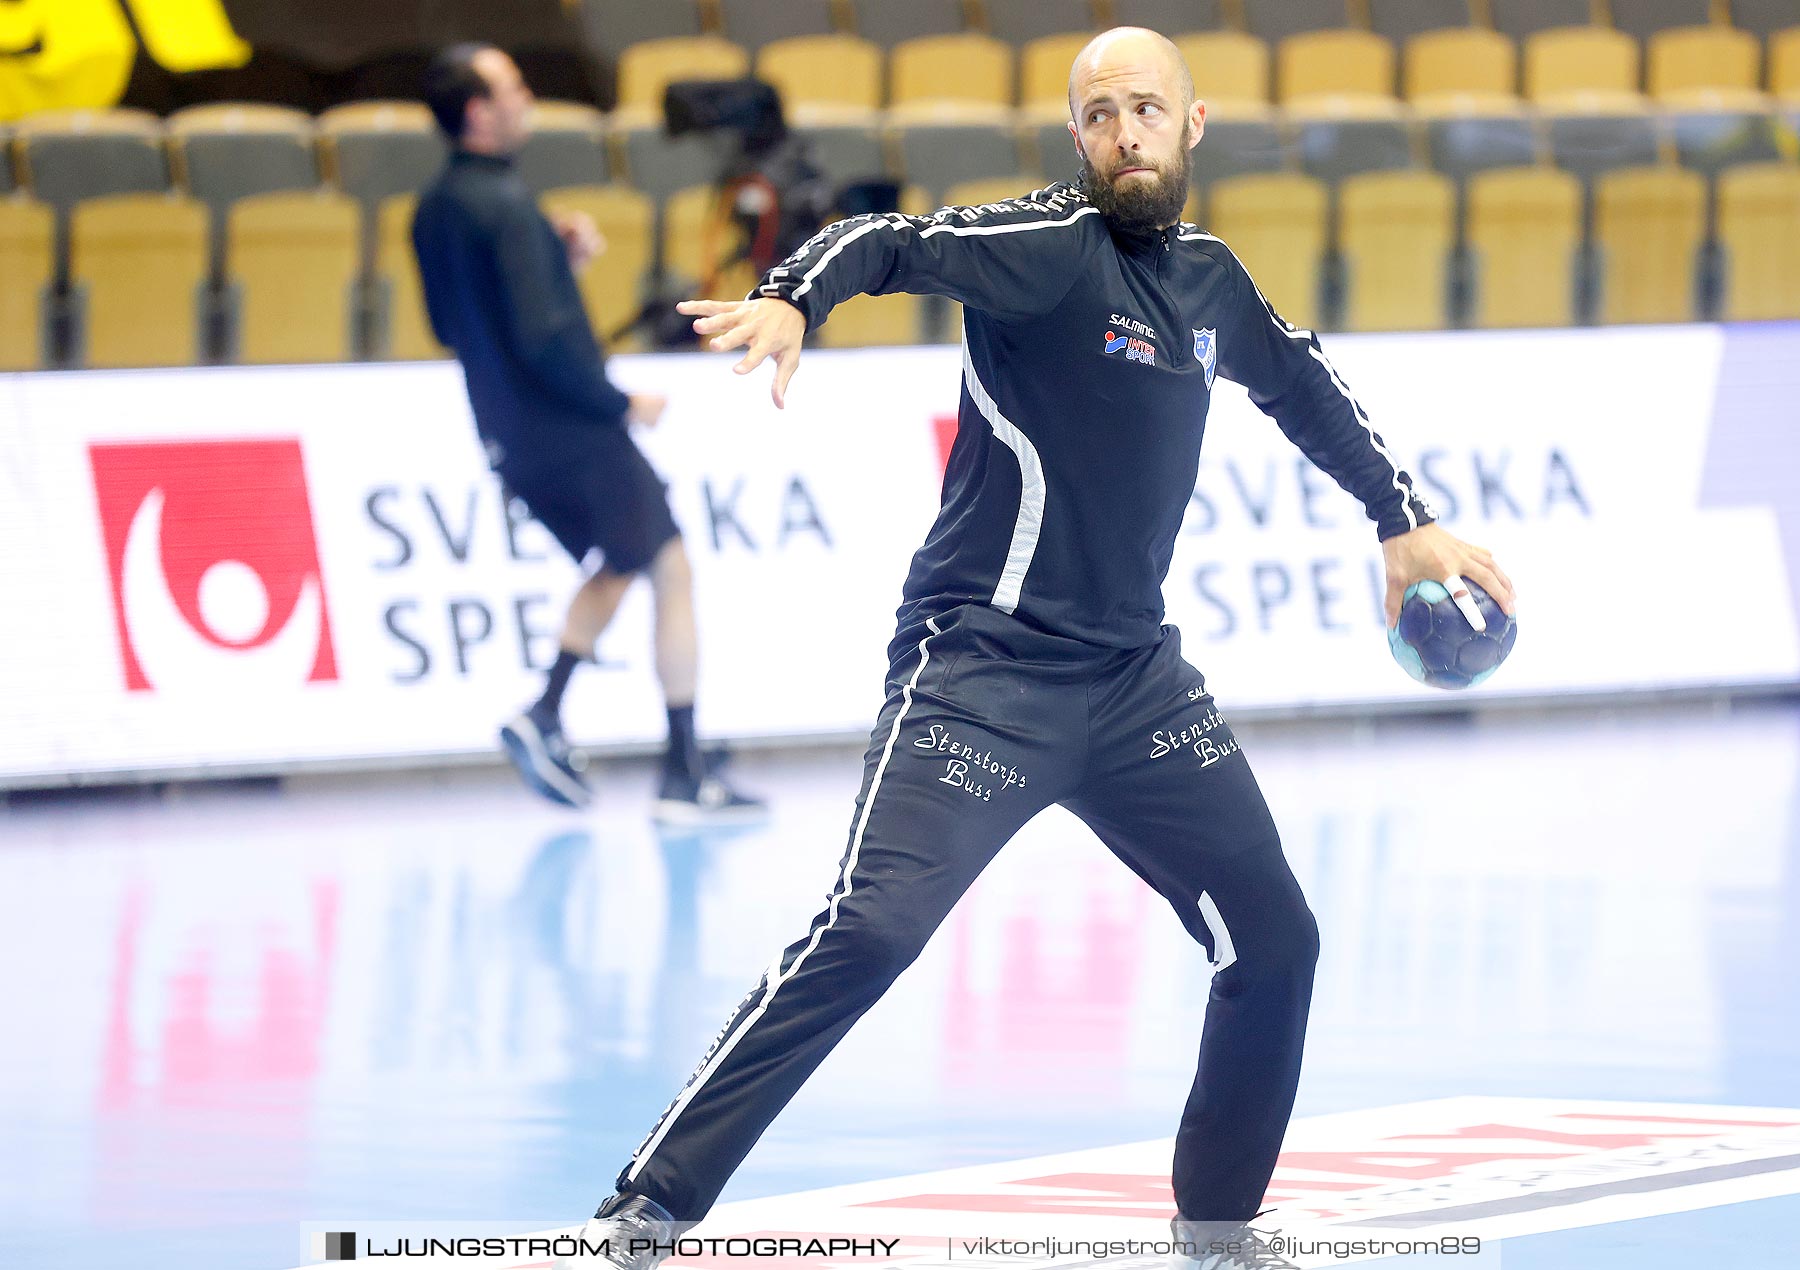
1396	231
1784	64
700	241
1460	62
27	262
823	78
1344	63
1230	69
993	189
406	334
291	260
1044	70
1649	223
649	66
964	68
1759	210
1275	222
1702	59
1524	232
138	263
612	286
1571	65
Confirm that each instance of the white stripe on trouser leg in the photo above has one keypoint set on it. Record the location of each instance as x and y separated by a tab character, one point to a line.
774	976
1224	953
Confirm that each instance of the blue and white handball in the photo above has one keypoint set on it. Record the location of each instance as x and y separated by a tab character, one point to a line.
1435	644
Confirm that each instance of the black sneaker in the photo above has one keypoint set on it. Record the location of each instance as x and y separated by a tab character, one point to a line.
622	1236
686	799
1207	1245
543	758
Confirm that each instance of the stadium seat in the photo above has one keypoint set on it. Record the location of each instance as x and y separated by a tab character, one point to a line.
888	24
6	160
1689	63
291	261
1396	232
1171	17
1577	67
1276	20
613	286
699	242
937	155
824	78
1784	64
753	23
401	331
1333	142
1055	148
1334	64
1234	148
1762	17
1521	18
1524	236
1044	73
1230	69
1758	208
650	66
1275	222
1401	20
1711	140
963	68
567	147
1463	144
64	157
374	150
1590	145
229	151
612	26
846	153
137	266
659	165
1649	224
233	150
1019	22
1443	67
28	263
1641	19
990	189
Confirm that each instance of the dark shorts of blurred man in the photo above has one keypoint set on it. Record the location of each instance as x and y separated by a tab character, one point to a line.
500	289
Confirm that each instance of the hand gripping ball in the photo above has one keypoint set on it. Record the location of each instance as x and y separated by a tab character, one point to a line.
1435	644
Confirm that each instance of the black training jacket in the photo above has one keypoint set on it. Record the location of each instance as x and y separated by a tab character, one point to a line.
1088	361
500	293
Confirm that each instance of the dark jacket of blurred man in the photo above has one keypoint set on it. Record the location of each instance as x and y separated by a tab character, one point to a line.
500	288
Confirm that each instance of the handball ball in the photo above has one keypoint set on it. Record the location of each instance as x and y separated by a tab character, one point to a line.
1435	644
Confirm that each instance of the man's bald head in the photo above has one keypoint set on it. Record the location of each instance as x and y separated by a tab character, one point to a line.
1129	50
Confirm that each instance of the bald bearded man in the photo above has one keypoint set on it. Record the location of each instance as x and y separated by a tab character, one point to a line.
1031	664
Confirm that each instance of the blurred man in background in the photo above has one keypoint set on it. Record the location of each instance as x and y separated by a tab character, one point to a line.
500	288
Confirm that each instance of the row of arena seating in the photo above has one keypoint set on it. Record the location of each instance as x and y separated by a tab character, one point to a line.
1389	252
614	24
840	77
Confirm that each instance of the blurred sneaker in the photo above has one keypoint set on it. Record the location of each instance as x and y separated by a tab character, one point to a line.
686	799
543	757
1225	1246
623	1235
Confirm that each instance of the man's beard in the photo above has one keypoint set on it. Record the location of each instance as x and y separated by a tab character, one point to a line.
1142	206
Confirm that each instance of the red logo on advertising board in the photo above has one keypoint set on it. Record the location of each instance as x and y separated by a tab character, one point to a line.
214	563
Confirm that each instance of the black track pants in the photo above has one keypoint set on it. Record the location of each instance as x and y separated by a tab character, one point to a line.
987	722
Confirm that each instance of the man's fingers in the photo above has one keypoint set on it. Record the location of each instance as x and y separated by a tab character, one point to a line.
705	308
734	337
753	356
1395	594
1494	583
718	322
1465	601
786	363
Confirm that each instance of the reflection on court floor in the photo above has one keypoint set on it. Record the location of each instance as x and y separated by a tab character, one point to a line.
236	1011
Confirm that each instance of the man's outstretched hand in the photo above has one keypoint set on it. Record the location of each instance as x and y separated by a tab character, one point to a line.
1431	552
762	328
